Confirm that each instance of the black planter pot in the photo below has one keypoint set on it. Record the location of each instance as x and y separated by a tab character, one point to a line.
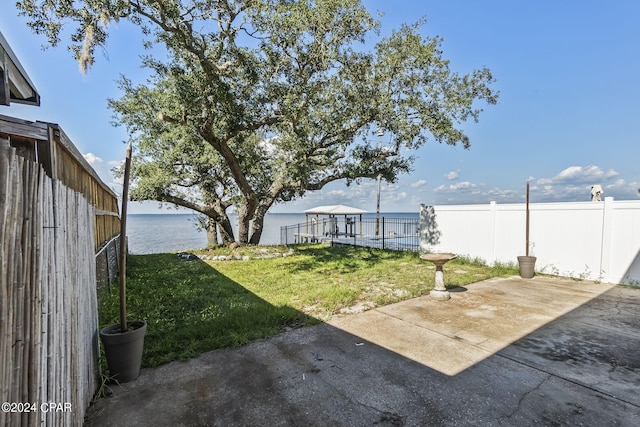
526	265
124	349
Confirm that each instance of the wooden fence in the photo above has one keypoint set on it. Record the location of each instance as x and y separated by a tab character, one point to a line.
48	145
48	307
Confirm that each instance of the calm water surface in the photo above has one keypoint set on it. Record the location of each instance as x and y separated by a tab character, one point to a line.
161	233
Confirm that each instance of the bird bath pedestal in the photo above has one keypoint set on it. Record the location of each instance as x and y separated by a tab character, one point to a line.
439	291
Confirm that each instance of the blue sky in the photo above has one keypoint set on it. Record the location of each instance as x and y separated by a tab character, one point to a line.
568	73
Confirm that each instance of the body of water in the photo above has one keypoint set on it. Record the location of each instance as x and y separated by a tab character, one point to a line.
161	233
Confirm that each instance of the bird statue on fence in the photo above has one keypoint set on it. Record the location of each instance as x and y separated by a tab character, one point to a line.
596	193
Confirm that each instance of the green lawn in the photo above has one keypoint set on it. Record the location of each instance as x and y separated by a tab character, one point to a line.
196	306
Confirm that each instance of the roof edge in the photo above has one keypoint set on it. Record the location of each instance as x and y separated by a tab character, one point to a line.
14	75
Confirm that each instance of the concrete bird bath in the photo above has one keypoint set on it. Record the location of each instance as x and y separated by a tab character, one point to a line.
439	291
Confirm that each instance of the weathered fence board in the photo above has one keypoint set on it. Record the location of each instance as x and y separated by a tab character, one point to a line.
48	144
48	306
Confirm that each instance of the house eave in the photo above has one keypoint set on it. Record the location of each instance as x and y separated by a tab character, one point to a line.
15	84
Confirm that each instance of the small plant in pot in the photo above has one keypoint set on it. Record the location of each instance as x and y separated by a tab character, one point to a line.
123	342
527	263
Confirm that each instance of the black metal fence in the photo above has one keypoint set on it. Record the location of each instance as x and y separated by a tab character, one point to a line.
382	233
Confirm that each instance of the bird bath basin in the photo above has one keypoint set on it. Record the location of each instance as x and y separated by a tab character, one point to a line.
439	291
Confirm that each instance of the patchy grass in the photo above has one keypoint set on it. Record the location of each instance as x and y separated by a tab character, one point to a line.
195	306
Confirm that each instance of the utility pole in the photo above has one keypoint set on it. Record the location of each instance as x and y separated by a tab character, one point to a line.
379	134
378	206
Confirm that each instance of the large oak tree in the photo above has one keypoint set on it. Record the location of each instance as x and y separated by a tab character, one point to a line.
260	101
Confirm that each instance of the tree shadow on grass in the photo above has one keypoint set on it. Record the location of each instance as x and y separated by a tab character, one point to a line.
191	308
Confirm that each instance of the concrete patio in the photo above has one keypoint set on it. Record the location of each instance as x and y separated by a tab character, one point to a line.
502	352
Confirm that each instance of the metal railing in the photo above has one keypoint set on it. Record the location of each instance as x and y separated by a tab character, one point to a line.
381	233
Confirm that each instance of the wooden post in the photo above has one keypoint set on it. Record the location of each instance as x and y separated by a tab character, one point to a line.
123	242
527	222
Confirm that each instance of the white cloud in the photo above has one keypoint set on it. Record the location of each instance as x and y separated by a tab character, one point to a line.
271	147
544	181
354	195
391	197
547	189
618	184
463	185
574	184
418	184
460	187
584	174
500	195
338	193
92	159
453	175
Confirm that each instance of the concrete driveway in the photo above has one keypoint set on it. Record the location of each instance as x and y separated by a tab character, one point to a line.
502	352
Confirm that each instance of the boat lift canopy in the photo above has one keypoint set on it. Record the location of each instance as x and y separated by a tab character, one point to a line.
333	211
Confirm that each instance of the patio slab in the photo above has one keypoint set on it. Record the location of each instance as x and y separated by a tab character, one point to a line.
508	352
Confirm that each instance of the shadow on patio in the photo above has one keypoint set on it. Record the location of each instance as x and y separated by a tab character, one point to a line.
505	352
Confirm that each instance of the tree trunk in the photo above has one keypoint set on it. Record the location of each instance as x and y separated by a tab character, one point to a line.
258	224
256	230
219	231
212	232
225	231
246	213
244	221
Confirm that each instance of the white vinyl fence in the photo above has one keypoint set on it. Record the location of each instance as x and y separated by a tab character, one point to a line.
587	240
